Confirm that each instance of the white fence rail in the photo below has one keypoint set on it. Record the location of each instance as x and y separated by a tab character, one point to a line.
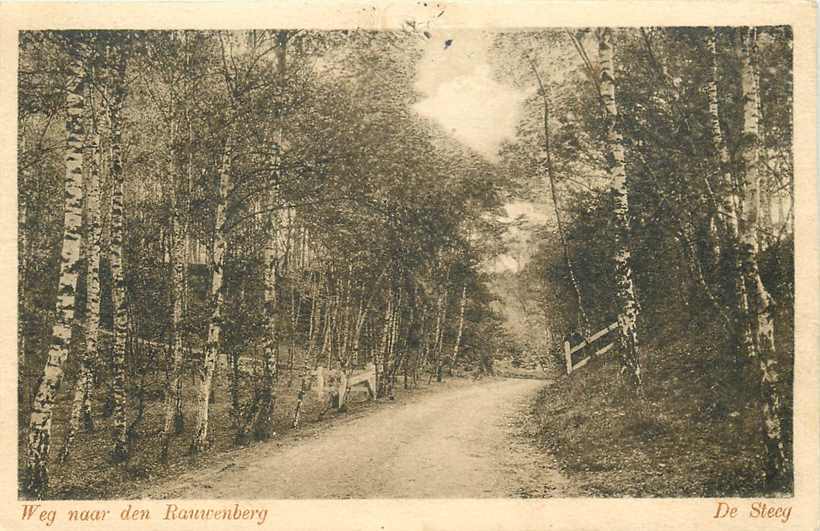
336	383
569	350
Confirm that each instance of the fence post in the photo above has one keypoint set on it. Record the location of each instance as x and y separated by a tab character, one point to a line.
568	357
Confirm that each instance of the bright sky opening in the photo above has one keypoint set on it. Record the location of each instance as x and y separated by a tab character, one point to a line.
461	95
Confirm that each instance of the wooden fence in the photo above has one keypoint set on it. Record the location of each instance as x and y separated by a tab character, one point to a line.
335	384
569	350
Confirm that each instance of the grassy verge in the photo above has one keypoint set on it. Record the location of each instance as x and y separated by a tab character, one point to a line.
697	432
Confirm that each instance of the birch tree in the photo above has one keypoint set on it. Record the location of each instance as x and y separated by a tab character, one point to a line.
22	265
730	203
206	372
263	426
116	99
180	191
304	383
760	318
460	327
81	403
625	288
35	482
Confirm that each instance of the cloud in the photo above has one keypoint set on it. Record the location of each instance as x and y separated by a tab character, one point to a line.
463	97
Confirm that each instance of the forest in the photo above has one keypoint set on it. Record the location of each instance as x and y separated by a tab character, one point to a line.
207	217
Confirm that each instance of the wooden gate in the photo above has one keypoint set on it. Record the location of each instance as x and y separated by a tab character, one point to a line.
569	350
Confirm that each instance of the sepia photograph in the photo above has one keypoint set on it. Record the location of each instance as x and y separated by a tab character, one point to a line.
411	262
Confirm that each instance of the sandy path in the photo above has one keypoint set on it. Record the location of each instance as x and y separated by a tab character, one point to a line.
463	442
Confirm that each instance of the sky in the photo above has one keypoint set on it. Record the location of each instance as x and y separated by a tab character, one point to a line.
460	94
519	239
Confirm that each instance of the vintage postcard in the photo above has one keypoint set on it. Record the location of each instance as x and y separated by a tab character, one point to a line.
410	265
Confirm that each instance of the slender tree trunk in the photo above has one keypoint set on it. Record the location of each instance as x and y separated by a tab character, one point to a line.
22	288
583	324
432	346
440	327
764	216
327	326
381	379
315	315
324	354
729	219
361	317
306	366
35	480
357	332
120	414
345	328
81	404
412	339
421	351
760	308
393	352
179	419
296	301
173	415
730	206
206	373
174	419
628	316
717	137
303	389
263	428
460	327
332	331
264	423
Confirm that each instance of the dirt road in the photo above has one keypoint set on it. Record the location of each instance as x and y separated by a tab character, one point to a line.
461	442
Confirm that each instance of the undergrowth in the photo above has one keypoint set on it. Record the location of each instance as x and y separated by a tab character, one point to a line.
696	431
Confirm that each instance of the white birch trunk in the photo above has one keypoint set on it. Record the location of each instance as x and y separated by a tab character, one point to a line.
628	316
173	415
392	349
760	310
206	373
731	204
263	428
81	402
120	413
22	274
35	479
381	376
305	379
263	425
457	345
